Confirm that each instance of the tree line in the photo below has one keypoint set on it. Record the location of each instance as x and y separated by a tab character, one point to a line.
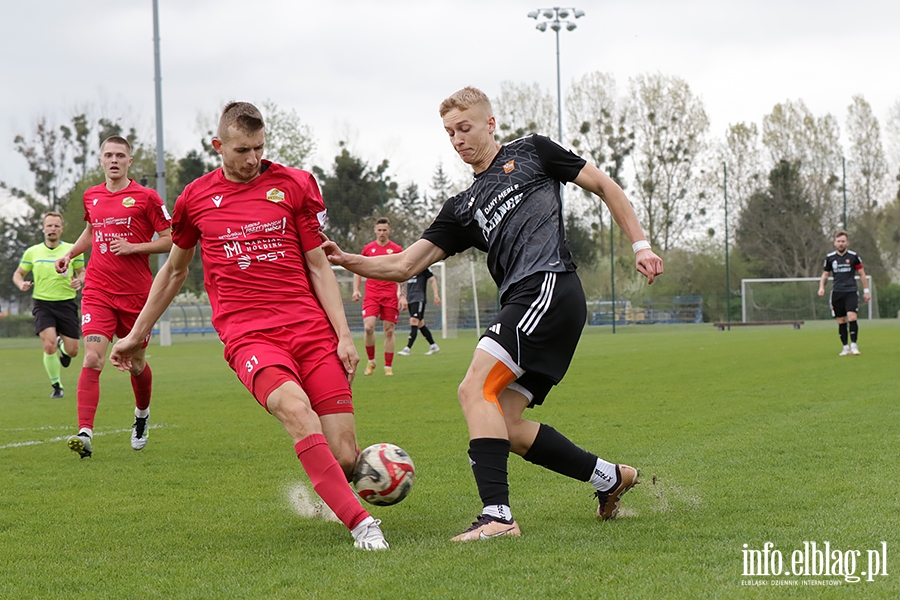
786	180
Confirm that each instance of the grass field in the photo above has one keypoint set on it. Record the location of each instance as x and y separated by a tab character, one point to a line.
754	435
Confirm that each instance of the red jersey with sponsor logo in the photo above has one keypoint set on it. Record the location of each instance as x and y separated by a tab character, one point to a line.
377	288
134	214
252	239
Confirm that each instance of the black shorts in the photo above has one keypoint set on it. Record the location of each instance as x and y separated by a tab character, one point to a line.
537	330
416	310
61	314
843	303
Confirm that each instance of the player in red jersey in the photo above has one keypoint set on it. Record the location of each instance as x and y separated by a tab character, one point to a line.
382	299
276	304
121	218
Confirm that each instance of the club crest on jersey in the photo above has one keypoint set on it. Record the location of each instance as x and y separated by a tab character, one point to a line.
509	167
275	195
217	200
95	201
128	202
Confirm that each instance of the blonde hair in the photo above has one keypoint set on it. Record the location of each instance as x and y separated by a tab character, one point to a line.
242	115
465	99
53	214
116	139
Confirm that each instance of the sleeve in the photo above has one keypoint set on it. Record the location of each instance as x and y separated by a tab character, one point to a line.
27	262
310	215
446	232
85	204
159	214
827	267
77	262
558	162
859	263
185	234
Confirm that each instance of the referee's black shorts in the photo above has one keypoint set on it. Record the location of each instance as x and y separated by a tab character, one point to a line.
843	303
537	330
61	314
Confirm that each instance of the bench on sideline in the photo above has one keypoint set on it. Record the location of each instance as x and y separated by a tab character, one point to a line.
722	326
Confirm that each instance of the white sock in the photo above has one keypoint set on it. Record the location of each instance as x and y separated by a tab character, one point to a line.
604	477
361	528
498	511
89	432
143	414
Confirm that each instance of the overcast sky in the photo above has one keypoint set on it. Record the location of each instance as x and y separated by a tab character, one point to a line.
374	72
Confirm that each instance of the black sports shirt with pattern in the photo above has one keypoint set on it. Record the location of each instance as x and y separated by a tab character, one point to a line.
513	212
415	287
843	269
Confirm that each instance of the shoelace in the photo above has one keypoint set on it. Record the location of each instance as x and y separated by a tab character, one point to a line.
479	521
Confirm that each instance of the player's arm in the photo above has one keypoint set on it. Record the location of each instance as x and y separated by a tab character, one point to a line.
390	267
822	281
78	281
434	289
865	281
357	281
401	295
325	286
81	245
596	181
19	279
165	286
163	243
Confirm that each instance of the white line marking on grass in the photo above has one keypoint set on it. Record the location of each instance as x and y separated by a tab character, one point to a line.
308	504
65	437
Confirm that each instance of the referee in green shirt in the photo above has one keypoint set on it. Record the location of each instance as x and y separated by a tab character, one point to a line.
55	310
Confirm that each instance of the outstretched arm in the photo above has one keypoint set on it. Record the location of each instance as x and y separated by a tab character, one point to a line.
81	245
596	181
390	267
164	289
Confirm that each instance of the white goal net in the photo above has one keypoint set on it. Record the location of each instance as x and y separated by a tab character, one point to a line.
794	299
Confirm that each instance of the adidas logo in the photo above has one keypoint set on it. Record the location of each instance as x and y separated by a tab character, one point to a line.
495	328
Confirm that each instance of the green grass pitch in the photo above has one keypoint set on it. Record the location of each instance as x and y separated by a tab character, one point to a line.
750	436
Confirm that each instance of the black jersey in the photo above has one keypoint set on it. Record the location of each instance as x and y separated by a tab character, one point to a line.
843	269
513	212
415	287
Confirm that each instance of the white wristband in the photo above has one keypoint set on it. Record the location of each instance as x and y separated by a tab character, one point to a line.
640	245
865	290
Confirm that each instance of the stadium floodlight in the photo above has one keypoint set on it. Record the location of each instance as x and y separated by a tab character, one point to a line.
556	18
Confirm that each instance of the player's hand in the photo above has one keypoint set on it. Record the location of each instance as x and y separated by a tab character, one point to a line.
866	298
356	296
76	284
120	247
348	356
437	300
821	291
123	352
62	264
404	304
648	264
26	285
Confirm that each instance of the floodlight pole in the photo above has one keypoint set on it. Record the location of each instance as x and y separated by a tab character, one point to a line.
165	325
727	274
556	18
844	186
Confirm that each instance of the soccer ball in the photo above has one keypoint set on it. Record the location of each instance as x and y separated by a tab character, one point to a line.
384	474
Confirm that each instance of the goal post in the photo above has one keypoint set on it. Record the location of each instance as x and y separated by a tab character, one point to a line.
793	298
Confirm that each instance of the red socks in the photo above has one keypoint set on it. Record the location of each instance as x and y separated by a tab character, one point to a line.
370	352
142	386
388	359
328	479
88	397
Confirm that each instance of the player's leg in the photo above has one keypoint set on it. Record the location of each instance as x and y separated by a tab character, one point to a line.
413	329
128	309
68	328
433	347
852	307
390	316
50	343
369	321
95	347
488	446
839	312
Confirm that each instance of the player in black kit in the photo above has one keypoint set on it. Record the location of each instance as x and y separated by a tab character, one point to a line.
414	293
513	212
844	264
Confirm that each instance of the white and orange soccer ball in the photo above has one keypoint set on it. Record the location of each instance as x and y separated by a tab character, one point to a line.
384	474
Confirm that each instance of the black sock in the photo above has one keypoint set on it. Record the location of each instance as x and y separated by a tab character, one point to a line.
413	330
489	457
842	329
427	333
554	451
854	331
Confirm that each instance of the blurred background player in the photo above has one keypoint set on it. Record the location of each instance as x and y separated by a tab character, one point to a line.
844	264
382	299
276	304
513	212
122	218
415	299
55	309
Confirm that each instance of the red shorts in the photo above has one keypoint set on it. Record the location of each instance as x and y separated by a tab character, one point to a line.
308	351
386	308
110	315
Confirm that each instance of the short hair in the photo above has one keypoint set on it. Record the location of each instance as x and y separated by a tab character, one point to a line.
242	115
52	214
841	232
382	221
465	99
116	139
